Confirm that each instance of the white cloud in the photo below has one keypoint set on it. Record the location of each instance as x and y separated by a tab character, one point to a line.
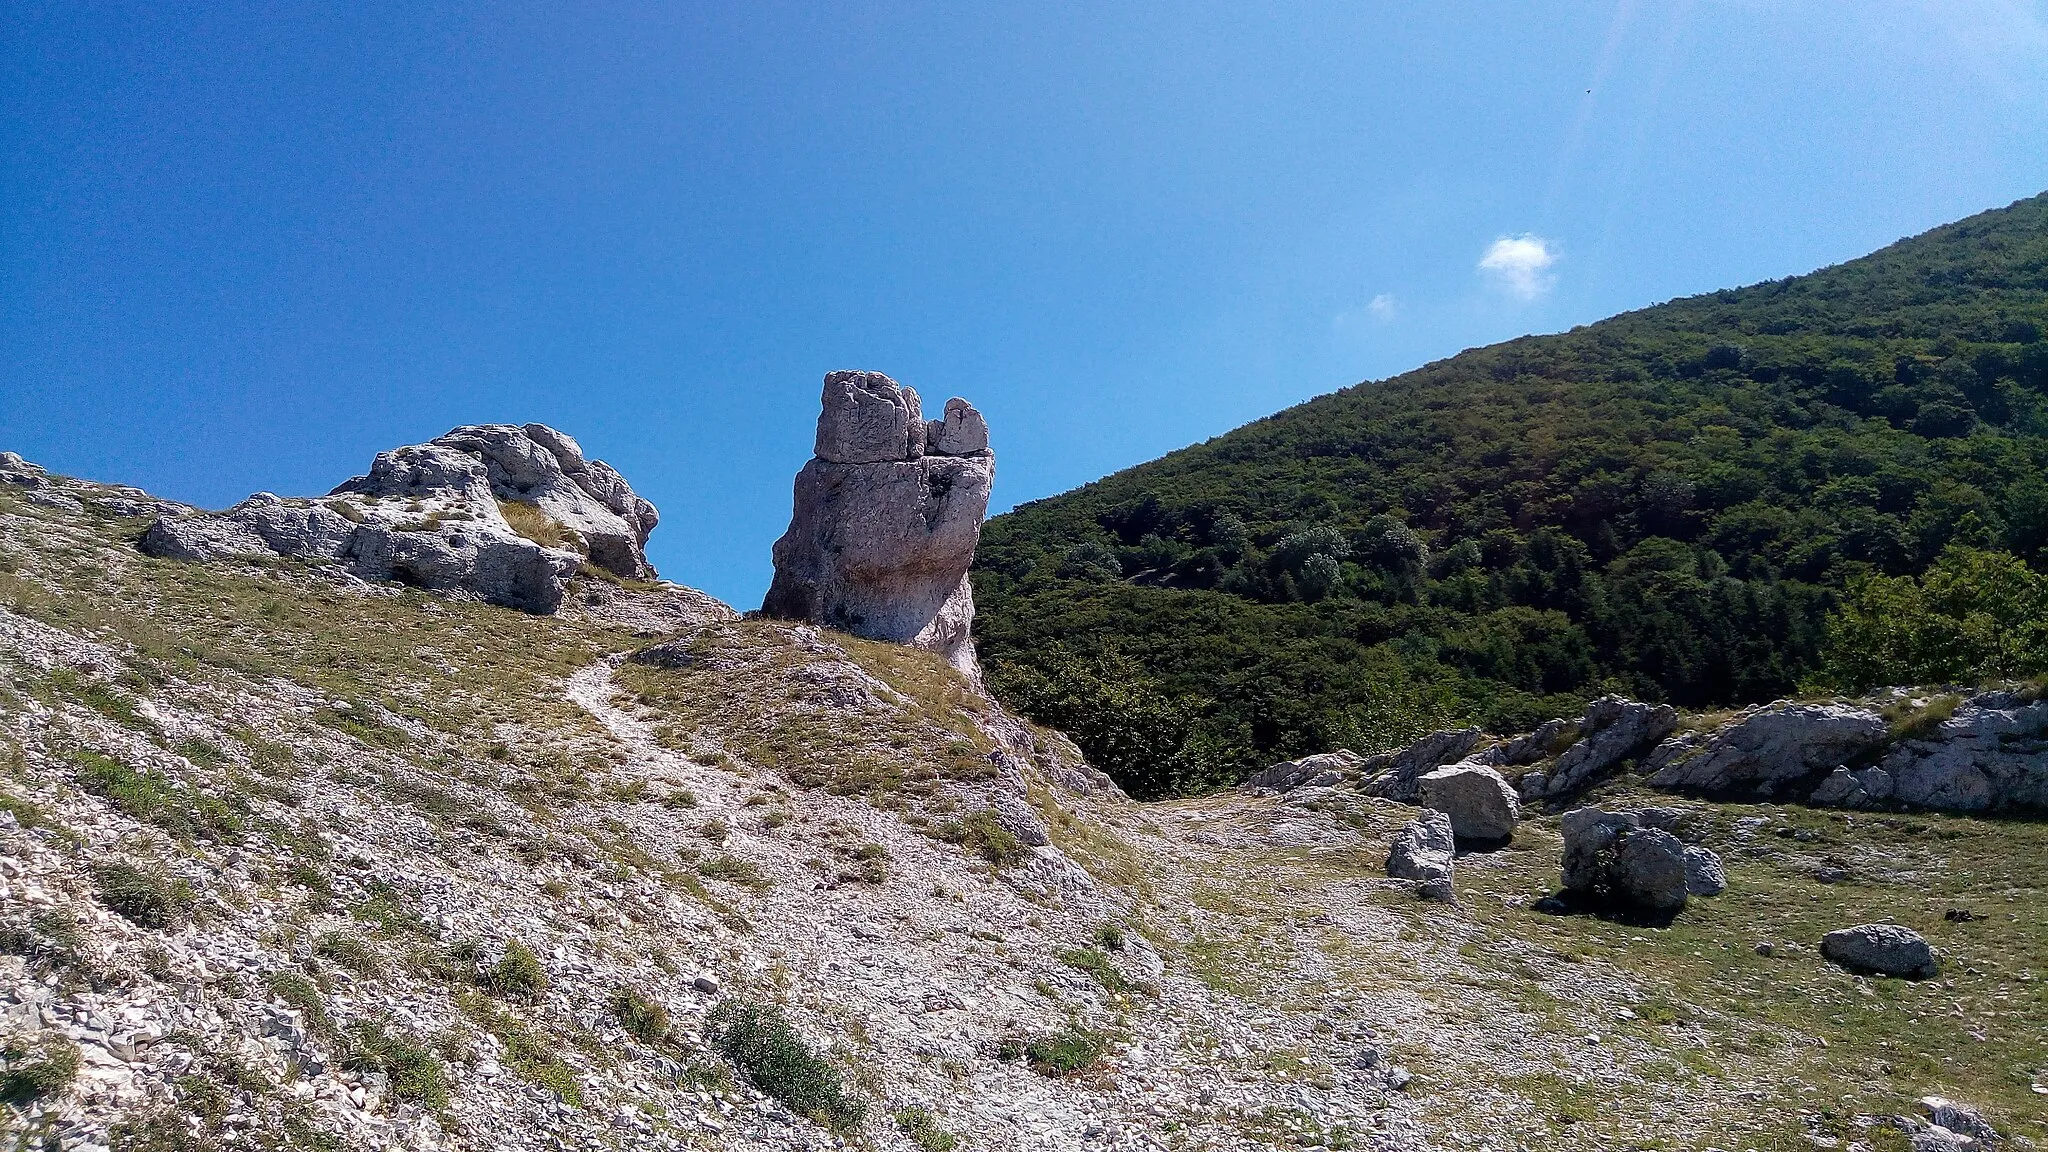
1520	265
1381	309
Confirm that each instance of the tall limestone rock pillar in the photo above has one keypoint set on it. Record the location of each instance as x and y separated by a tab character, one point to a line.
887	516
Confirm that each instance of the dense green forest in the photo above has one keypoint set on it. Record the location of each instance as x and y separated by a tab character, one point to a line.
1712	501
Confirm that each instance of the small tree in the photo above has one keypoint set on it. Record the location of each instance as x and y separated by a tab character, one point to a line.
1975	615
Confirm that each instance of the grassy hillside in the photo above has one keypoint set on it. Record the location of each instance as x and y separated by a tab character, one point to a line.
1670	503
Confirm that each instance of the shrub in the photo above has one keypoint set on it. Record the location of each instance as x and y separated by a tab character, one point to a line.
1109	938
349	951
145	896
760	1042
1904	722
982	833
641	1017
416	1073
1066	1052
529	521
102	698
728	867
532	1056
158	800
923	1129
517	973
1975	615
871	864
300	993
30	1070
50	940
1096	963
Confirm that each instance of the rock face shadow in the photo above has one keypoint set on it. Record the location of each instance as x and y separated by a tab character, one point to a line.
1565	902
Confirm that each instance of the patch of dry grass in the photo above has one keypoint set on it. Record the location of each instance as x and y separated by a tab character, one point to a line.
853	717
529	521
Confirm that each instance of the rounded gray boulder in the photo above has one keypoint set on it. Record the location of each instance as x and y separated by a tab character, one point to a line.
1887	949
1481	805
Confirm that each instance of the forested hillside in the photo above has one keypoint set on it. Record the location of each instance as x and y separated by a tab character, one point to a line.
1712	501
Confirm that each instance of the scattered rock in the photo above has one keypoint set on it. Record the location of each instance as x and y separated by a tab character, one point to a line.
1958	1118
1481	805
887	514
1887	949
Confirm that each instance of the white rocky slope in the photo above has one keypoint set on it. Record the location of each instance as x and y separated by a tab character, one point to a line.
284	856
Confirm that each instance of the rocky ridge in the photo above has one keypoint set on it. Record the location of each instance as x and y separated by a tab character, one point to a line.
1976	751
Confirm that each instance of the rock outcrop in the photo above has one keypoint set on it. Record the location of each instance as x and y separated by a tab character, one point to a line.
1308	772
1481	805
1888	949
1768	750
887	514
1991	754
441	515
1613	729
1395	775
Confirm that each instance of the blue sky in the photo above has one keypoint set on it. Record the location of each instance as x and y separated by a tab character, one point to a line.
246	246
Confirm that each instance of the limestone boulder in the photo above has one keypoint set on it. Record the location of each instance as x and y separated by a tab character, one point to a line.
1426	849
1886	949
886	519
1614	857
1481	805
1649	870
1426	852
1704	875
